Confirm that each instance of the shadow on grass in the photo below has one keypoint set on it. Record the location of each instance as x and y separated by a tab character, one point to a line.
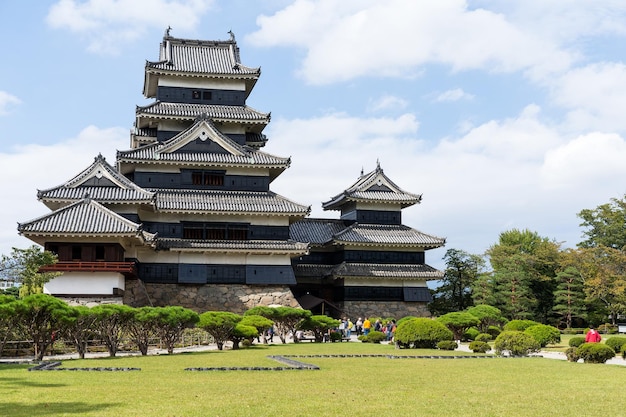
17	409
22	382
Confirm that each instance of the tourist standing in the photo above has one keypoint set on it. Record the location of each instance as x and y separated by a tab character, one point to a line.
593	336
359	326
367	325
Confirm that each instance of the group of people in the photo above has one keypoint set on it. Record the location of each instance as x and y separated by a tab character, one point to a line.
365	326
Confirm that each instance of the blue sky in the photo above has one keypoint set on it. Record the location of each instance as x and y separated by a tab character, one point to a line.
502	114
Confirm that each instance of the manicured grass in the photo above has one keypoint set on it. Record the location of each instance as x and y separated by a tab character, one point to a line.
361	386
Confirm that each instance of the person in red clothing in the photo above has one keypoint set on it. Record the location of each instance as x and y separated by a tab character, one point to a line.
592	336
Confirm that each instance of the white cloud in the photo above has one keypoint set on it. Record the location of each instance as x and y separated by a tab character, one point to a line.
28	168
394	39
386	102
6	100
595	96
107	24
453	95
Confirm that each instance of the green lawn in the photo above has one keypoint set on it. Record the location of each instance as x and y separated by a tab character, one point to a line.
360	386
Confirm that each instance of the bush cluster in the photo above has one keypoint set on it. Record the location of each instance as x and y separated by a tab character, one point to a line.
576	341
479	347
519	325
373	337
616	343
544	334
483	337
421	333
515	343
595	352
447	345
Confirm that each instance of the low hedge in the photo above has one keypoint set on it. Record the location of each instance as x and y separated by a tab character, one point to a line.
515	343
479	347
447	345
616	343
595	352
576	341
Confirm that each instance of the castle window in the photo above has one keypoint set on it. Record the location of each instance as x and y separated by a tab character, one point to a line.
99	253
206	95
77	252
207	178
195	94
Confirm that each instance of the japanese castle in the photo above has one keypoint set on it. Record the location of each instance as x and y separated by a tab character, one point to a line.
186	215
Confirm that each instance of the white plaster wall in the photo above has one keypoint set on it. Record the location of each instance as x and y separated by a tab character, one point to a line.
96	283
201	82
384	282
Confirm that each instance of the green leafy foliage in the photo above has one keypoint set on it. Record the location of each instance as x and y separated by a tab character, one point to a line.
171	322
373	337
220	325
483	337
544	334
110	324
519	325
487	316
421	333
576	341
515	343
572	354
471	334
458	322
616	343
42	317
319	325
23	266
595	352
447	345
479	347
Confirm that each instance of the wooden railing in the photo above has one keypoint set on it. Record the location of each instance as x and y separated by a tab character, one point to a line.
126	268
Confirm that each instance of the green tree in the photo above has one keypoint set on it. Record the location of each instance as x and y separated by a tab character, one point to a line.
42	318
487	316
458	322
141	327
569	296
110	324
171	322
319	325
23	266
260	323
455	291
524	266
10	313
603	270
220	325
605	225
78	326
285	319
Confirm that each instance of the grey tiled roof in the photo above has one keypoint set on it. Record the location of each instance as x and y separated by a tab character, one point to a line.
373	187
316	231
101	194
191	111
86	217
313	270
117	187
234	154
227	202
397	271
197	56
321	231
258	246
382	234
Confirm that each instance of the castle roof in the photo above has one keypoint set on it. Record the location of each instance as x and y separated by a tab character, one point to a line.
258	247
202	144
323	231
227	202
192	57
83	218
189	111
368	271
373	187
99	181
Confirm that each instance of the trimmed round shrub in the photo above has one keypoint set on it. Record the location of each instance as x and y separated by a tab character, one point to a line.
447	345
373	337
483	337
494	331
616	343
623	351
595	352
572	354
576	341
515	343
519	325
421	333
471	333
479	347
544	334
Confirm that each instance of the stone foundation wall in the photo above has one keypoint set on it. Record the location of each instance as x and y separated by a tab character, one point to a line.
91	301
214	297
395	309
